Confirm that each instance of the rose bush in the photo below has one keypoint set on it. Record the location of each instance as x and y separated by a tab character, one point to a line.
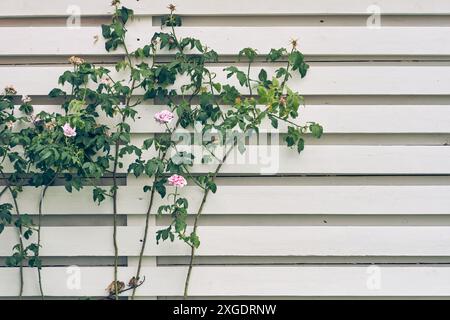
79	145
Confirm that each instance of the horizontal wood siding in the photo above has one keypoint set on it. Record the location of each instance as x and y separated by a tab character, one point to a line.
383	97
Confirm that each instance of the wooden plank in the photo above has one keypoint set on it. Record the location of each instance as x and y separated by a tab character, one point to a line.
292	281
26	8
321	80
335	41
254	200
316	160
234	241
334	118
273	160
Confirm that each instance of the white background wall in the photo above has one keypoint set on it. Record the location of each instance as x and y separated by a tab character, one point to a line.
362	213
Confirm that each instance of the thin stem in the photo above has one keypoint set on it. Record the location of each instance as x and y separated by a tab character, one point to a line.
3	191
21	246
16	206
248	78
286	76
175	36
197	217
114	196
116	248
147	225
41	204
144	241
157	176
287	121
114	173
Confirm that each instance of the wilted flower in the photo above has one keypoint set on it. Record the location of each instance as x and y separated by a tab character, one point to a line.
177	181
10	90
115	2
294	43
69	131
164	117
76	61
10	125
282	100
111	289
133	283
171	7
50	125
26	99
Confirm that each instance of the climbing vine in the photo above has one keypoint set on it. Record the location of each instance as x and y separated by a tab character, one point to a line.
90	136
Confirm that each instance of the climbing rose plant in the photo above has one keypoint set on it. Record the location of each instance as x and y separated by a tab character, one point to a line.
90	137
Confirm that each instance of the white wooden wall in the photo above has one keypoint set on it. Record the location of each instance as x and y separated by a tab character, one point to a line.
364	212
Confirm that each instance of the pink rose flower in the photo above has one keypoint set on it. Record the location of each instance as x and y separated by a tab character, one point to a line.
106	81
69	131
177	181
164	117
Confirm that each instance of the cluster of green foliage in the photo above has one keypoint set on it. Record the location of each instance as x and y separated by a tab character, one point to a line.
13	160
79	145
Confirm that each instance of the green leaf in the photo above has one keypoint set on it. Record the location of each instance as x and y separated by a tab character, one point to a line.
276	54
249	53
125	14
106	31
262	75
242	78
274	122
27	234
217	86
11	261
300	145
161	189
195	240
148	143
316	130
297	61
171	20
56	93
212	186
99	195
75	106
290	141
